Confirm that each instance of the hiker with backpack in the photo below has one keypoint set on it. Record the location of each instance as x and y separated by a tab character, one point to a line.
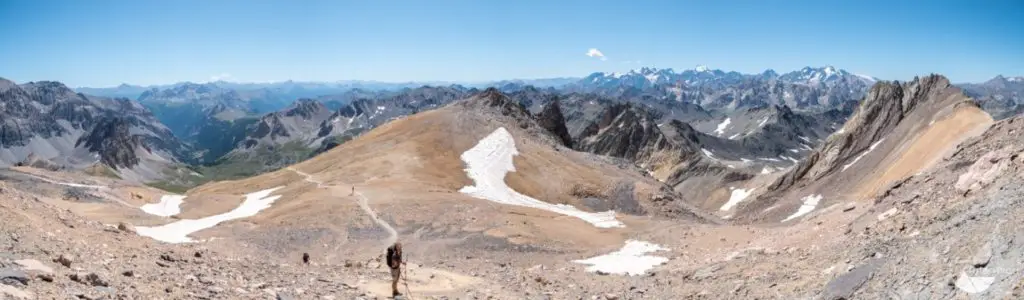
394	260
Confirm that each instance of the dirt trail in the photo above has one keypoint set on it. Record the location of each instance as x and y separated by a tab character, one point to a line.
361	200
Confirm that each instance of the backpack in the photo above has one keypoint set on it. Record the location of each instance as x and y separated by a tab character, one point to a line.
392	257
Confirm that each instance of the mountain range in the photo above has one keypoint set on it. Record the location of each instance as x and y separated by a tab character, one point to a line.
743	123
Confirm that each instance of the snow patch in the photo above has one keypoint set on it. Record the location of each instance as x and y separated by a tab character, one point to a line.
178	232
766	170
733	137
855	159
78	185
630	260
169	205
491	159
737	196
708	153
973	285
762	122
810	202
722	126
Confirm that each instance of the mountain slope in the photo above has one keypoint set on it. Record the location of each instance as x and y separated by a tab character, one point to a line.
47	123
898	130
1001	97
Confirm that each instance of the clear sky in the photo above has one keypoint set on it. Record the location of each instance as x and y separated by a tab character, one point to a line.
104	43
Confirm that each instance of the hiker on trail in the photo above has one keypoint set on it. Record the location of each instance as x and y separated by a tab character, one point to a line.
394	259
353	191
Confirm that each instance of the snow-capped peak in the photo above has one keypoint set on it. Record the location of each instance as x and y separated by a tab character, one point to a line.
829	71
1015	79
701	68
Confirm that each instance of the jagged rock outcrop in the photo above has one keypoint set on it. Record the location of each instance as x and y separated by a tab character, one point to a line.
551	118
111	138
46	123
626	132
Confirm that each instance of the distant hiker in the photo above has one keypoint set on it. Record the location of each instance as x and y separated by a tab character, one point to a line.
305	258
394	260
353	191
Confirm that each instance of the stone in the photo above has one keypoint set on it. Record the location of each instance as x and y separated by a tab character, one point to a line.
128	273
982	256
88	278
849	207
844	286
33	266
45	277
167	257
64	261
611	297
126	227
12	276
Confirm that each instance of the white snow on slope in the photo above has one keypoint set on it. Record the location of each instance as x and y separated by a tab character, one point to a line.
973	285
78	185
178	232
766	170
722	126
489	161
708	153
737	196
804	138
630	260
810	202
733	137
169	205
855	159
762	122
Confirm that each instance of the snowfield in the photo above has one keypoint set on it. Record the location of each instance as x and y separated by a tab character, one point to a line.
489	161
810	202
169	205
178	232
722	126
630	260
737	196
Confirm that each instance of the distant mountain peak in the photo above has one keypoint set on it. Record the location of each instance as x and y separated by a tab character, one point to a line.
702	68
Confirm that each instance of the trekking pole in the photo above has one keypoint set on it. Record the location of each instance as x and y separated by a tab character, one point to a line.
405	281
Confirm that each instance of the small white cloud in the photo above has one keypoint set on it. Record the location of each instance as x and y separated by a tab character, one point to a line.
221	76
593	52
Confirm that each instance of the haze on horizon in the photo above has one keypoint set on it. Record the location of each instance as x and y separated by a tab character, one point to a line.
106	43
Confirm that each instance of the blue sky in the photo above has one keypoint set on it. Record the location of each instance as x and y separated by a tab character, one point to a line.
105	43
